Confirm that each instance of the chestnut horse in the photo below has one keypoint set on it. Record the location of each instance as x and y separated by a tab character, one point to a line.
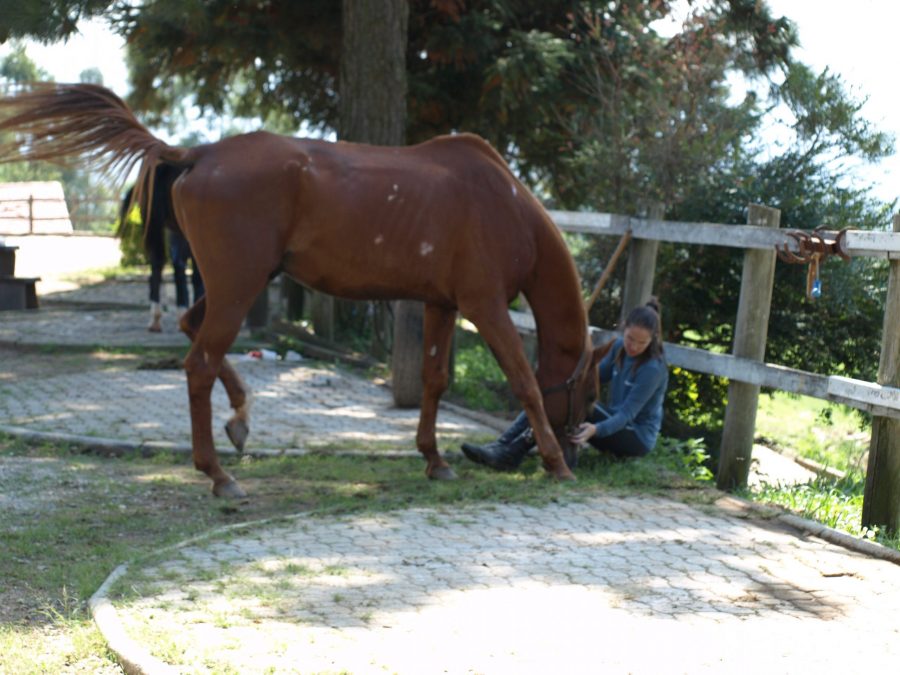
444	222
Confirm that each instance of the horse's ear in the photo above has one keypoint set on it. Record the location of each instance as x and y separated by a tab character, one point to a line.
600	352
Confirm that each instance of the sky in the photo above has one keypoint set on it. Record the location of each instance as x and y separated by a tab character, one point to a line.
853	39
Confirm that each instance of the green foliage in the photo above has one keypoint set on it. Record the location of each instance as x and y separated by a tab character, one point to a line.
834	503
833	435
478	379
46	21
688	457
827	118
16	68
131	238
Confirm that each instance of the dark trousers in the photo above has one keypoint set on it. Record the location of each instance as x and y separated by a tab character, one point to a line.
179	252
623	443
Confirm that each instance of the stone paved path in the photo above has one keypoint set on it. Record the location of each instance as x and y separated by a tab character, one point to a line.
295	407
612	585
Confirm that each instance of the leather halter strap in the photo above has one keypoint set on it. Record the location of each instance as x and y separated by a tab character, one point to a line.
569	387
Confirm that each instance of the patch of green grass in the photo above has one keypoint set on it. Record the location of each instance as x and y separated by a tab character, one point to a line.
66	645
833	435
830	434
835	503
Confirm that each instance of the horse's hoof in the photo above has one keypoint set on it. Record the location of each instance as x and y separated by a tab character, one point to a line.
237	430
565	474
442	473
229	490
561	472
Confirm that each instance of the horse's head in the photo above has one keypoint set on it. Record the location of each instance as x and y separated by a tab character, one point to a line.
568	404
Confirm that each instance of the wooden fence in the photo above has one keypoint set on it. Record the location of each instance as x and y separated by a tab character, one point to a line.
744	367
48	215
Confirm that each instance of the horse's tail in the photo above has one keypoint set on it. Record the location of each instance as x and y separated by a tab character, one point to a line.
65	122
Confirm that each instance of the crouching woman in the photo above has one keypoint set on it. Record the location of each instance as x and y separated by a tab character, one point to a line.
637	375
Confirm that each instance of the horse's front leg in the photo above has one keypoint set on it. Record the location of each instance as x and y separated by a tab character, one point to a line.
498	331
437	338
238	427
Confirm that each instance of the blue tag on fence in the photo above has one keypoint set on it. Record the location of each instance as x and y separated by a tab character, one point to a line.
817	289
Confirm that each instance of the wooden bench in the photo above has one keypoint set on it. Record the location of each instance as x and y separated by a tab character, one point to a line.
15	292
18	292
8	260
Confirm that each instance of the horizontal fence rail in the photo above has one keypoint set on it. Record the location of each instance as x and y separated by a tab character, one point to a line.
873	398
52	215
859	243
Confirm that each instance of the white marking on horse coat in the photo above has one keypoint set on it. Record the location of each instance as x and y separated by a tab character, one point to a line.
379	239
515	192
393	196
433	350
425	248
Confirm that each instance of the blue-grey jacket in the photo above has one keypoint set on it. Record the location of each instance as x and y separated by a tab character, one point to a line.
636	398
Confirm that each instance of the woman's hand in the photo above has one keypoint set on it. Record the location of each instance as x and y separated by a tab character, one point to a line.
583	433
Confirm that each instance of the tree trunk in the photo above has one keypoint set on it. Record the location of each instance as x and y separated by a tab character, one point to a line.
372	109
372	103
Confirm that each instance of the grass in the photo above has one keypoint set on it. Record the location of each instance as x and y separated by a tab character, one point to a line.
835	437
832	435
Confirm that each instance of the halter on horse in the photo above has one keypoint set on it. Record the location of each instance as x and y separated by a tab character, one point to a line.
444	222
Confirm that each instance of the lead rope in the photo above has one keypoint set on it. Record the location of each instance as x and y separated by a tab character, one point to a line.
813	283
607	271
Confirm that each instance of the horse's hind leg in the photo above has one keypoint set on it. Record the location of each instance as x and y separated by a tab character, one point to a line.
238	427
437	338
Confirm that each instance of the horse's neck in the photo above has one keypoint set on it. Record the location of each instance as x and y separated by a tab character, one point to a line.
558	310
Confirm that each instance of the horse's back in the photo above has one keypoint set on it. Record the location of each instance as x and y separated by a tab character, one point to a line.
371	221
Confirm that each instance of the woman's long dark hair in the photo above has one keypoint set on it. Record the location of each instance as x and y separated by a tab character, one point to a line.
647	317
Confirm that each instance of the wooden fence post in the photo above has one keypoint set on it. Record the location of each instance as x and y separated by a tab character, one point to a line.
750	331
322	314
881	497
641	269
406	359
258	315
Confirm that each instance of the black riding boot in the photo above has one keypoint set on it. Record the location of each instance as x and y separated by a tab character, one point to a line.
499	455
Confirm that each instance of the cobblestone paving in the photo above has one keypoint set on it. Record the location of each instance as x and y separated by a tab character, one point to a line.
295	406
615	585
